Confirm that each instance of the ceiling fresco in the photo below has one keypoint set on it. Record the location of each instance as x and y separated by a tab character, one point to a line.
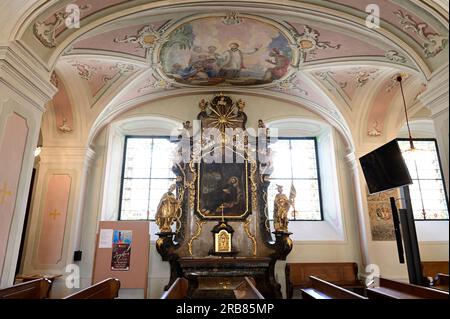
320	53
226	51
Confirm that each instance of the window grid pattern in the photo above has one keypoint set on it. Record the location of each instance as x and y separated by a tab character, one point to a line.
147	175
295	162
428	195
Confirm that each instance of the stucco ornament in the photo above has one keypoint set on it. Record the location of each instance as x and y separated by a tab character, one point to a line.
432	43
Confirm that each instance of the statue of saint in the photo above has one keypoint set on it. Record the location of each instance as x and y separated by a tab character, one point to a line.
168	209
282	204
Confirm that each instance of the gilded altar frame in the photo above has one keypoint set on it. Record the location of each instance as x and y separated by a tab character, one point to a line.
235	216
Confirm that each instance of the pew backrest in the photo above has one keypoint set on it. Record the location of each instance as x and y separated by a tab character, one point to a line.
391	289
106	289
178	290
442	279
34	289
343	274
432	268
321	289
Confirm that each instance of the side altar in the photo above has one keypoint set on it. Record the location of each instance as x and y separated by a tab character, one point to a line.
214	221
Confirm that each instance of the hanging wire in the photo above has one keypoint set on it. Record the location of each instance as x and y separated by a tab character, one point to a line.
411	143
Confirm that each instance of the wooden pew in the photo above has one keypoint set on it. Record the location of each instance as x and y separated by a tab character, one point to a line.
247	290
432	268
34	289
436	273
440	282
106	289
178	290
321	289
342	274
390	289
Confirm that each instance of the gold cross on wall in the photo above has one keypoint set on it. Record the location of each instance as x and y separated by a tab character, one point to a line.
4	193
55	213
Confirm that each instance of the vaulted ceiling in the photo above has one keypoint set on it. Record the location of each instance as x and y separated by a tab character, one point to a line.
342	63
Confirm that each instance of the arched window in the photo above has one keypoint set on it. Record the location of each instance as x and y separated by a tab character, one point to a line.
296	163
147	174
428	195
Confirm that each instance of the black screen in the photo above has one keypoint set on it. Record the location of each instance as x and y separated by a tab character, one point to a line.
385	168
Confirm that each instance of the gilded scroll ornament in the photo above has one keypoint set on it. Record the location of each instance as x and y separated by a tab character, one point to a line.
191	185
253	185
198	231
249	235
432	43
266	212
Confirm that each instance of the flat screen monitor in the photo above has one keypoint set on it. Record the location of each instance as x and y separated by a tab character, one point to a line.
385	168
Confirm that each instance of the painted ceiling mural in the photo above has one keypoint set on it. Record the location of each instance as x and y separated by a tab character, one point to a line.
49	26
226	51
305	58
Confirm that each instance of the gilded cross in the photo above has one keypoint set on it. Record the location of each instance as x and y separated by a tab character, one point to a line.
4	193
55	213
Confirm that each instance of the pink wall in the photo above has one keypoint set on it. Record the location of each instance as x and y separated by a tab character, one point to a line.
12	148
54	219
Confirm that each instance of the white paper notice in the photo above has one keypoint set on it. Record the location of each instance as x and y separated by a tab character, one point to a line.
106	238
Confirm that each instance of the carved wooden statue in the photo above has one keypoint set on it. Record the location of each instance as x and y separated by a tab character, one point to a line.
168	210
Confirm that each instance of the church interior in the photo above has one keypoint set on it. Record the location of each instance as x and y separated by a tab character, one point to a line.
224	149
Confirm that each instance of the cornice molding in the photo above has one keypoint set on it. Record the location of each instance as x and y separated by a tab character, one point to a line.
436	96
72	155
25	75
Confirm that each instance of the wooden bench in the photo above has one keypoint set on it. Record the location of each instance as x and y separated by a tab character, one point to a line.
436	273
432	268
106	289
321	289
34	289
178	290
247	290
390	289
441	282
342	274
